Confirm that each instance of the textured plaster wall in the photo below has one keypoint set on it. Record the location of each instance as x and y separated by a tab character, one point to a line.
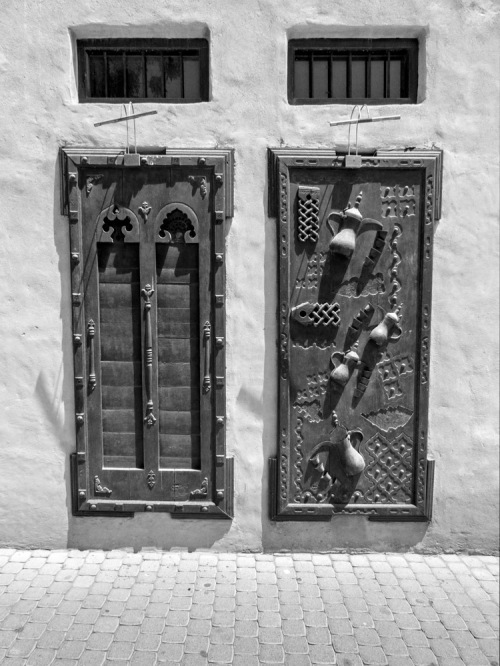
457	111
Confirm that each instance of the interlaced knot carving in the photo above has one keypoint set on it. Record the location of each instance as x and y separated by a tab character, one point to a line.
325	314
177	224
317	314
308	214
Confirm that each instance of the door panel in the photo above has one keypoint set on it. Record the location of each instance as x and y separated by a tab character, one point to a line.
143	251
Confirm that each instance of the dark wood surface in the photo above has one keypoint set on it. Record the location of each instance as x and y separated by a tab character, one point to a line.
385	396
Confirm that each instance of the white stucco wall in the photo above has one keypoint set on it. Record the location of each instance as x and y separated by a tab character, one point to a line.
457	111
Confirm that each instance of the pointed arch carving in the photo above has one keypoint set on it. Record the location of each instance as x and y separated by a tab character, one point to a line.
117	223
176	223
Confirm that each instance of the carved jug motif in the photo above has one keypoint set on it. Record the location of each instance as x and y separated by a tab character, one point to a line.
388	329
346	365
352	224
351	460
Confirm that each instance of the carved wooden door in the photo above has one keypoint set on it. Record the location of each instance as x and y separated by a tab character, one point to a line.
148	249
354	316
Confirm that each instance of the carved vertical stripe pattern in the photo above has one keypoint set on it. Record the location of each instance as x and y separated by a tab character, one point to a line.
396	260
92	374
207	383
147	293
284	466
299	456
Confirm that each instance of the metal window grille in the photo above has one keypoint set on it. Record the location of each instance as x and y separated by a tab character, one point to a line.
372	71
143	70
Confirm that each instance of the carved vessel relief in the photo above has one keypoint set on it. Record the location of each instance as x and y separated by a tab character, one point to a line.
333	468
351	223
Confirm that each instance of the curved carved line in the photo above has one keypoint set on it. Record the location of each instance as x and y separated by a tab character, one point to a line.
162	235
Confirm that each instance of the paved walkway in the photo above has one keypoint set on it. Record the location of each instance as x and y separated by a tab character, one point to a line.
93	607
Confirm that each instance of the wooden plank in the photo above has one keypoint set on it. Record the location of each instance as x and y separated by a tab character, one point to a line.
121	462
179	463
116	275
178	295
179	423
119	444
172	276
122	420
121	347
120	316
172	446
177	374
115	373
174	329
179	397
180	257
112	295
180	350
179	315
121	397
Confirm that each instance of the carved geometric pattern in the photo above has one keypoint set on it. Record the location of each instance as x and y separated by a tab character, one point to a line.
389	469
308	214
313	271
317	314
151	479
396	260
398	201
390	418
373	286
391	369
177	224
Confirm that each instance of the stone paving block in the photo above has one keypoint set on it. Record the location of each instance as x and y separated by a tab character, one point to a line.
322	654
366	636
414	638
246	628
346	644
79	632
270	636
352	659
51	639
393	646
406	621
361	619
148	642
99	641
268	604
293	628
372	655
220	654
246	613
434	629
490	647
340	626
443	647
387	629
242	660
271	654
295	645
40	657
380	612
269	619
244	645
23	647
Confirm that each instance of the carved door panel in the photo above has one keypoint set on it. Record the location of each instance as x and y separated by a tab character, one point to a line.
355	284
151	388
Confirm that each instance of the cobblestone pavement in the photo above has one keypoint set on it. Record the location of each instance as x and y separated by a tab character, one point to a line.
94	607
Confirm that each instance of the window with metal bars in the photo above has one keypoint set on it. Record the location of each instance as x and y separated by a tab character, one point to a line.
143	70
345	71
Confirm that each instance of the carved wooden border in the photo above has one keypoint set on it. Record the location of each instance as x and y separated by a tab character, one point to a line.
429	162
220	502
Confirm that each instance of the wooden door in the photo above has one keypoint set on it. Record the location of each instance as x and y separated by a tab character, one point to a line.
355	285
150	237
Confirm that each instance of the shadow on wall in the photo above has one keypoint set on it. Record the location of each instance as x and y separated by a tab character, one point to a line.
157	530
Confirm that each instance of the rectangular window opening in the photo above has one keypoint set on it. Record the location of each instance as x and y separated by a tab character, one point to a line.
143	70
352	71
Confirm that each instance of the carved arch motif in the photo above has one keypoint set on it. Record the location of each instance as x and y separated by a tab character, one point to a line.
176	223
117	224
